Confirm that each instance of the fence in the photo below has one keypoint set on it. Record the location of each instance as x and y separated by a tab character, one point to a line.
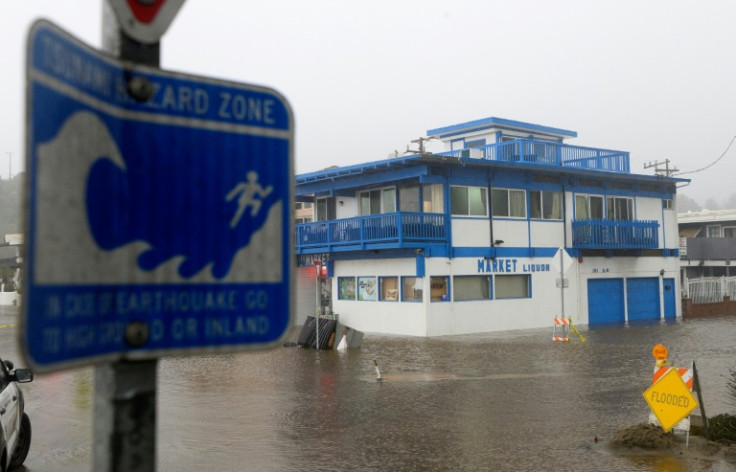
710	289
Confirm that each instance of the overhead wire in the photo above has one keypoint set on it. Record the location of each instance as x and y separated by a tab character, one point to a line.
712	163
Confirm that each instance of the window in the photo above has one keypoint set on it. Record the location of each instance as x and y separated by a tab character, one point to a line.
546	205
409	198
302	205
469	201
729	231
471	287
432	198
346	288
588	207
374	202
620	208
512	286
439	289
411	289
306	219
475	143
508	202
389	288
714	231
667	203
326	209
367	288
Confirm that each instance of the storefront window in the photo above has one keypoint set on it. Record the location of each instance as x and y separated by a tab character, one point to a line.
471	287
389	288
367	288
512	286
439	289
411	289
346	288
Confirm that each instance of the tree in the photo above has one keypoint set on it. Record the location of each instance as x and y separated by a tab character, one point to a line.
685	204
711	204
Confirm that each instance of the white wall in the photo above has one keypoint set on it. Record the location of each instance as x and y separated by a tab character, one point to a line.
512	233
468	232
348	209
547	234
648	208
407	318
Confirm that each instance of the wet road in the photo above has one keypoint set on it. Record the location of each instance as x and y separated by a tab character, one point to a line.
506	401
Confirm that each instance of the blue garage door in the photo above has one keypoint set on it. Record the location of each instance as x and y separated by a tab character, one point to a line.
642	298
670	302
605	301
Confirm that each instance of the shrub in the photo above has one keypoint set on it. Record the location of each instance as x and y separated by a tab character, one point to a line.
722	428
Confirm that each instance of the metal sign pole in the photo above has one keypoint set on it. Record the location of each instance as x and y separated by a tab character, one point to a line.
125	391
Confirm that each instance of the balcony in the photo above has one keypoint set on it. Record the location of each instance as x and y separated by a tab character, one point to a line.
388	230
615	234
708	249
528	151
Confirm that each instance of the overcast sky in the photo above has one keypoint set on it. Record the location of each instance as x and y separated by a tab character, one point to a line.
655	78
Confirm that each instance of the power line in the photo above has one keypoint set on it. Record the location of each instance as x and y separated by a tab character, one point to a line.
712	163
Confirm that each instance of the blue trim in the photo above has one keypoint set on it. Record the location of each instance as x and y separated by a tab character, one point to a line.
491	122
325	184
420	266
504	252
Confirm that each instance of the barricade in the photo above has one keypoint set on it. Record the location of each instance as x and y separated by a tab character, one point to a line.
687	376
564	325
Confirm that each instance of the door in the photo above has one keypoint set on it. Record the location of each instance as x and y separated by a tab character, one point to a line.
606	301
670	298
642	298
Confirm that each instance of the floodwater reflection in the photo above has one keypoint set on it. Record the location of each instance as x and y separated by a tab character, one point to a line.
498	401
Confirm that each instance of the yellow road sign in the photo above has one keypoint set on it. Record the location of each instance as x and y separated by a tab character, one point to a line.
670	399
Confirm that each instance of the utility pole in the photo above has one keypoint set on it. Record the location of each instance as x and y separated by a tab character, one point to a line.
667	172
421	142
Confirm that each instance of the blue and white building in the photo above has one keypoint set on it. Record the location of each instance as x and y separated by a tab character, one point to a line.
506	227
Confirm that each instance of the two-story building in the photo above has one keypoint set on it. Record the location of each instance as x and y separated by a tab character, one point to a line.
707	255
506	228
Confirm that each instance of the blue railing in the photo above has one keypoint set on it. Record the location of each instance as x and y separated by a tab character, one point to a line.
550	154
615	234
388	228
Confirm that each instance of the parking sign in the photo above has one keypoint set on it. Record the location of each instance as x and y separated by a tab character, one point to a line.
158	210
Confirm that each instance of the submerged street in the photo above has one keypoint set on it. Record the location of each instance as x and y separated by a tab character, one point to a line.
496	401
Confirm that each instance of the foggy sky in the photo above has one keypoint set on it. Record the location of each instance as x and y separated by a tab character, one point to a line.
655	78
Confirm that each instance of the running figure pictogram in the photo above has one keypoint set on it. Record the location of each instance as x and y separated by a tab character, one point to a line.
249	191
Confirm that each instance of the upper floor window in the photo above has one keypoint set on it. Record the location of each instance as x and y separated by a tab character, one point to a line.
302	205
508	202
432	198
326	209
667	203
588	207
545	204
469	201
620	208
729	231
374	202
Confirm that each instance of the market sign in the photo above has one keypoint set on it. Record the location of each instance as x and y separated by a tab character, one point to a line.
670	400
159	210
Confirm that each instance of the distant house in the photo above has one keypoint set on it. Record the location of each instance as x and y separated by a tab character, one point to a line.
707	257
506	227
11	257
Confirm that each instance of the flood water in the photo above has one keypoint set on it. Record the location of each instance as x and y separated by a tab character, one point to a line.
506	401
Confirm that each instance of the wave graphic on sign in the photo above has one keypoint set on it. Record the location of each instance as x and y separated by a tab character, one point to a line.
107	223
